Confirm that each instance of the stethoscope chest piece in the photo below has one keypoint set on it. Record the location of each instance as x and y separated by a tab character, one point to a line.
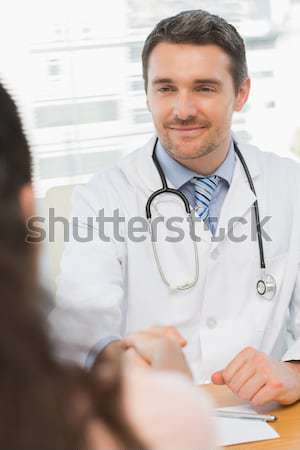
266	286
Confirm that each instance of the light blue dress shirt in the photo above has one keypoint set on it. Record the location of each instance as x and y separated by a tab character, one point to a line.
181	176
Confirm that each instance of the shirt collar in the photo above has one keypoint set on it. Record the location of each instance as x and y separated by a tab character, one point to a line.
180	175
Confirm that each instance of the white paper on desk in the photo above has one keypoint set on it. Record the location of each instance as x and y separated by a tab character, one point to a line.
238	431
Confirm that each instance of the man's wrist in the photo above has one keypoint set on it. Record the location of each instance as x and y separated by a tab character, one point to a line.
294	365
112	349
99	349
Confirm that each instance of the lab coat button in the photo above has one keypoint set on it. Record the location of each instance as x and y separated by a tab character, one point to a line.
215	254
211	323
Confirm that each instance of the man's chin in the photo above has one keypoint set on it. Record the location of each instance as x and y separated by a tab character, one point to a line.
187	150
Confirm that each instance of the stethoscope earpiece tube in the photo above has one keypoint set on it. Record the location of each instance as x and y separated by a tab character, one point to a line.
266	286
256	208
165	188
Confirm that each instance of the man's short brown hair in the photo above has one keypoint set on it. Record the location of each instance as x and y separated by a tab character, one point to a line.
200	28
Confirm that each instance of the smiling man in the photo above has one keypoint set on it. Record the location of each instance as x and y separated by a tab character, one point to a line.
191	96
231	297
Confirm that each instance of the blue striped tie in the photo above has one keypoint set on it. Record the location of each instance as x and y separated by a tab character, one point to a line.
204	190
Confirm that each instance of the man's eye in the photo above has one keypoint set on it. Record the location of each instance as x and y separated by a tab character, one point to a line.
205	89
166	89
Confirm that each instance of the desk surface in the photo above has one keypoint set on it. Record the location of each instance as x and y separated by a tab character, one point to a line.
287	425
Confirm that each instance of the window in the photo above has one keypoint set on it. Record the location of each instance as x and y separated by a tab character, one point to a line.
54	68
136	85
141	115
135	52
77	76
75	113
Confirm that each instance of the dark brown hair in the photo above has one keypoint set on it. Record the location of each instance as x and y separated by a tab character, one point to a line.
200	28
43	404
15	158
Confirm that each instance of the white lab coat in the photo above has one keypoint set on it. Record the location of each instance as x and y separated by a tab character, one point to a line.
114	288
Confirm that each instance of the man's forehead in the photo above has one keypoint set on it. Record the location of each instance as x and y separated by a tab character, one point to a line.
196	61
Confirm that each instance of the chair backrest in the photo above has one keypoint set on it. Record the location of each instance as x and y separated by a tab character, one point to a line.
59	199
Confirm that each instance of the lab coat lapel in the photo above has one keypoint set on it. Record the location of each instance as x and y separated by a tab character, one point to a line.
145	174
240	198
150	181
145	169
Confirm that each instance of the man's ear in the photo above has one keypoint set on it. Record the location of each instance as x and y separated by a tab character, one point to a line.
242	95
27	201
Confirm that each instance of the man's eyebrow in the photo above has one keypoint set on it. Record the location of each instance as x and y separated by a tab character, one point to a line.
213	81
162	80
208	81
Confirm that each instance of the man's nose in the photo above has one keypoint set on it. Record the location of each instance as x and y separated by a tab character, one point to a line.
184	106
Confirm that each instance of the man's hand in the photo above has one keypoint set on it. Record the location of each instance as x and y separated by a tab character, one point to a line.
255	377
112	352
160	348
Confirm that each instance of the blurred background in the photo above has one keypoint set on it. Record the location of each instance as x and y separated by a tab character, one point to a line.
74	68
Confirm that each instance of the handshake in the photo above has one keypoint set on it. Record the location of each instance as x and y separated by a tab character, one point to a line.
251	374
156	347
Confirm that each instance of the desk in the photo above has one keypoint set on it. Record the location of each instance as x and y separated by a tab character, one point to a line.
287	425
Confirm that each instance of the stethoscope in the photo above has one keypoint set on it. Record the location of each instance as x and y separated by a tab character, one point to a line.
265	286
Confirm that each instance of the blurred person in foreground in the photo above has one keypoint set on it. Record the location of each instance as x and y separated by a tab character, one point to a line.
47	405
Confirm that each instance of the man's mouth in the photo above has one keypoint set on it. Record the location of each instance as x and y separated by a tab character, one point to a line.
187	130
